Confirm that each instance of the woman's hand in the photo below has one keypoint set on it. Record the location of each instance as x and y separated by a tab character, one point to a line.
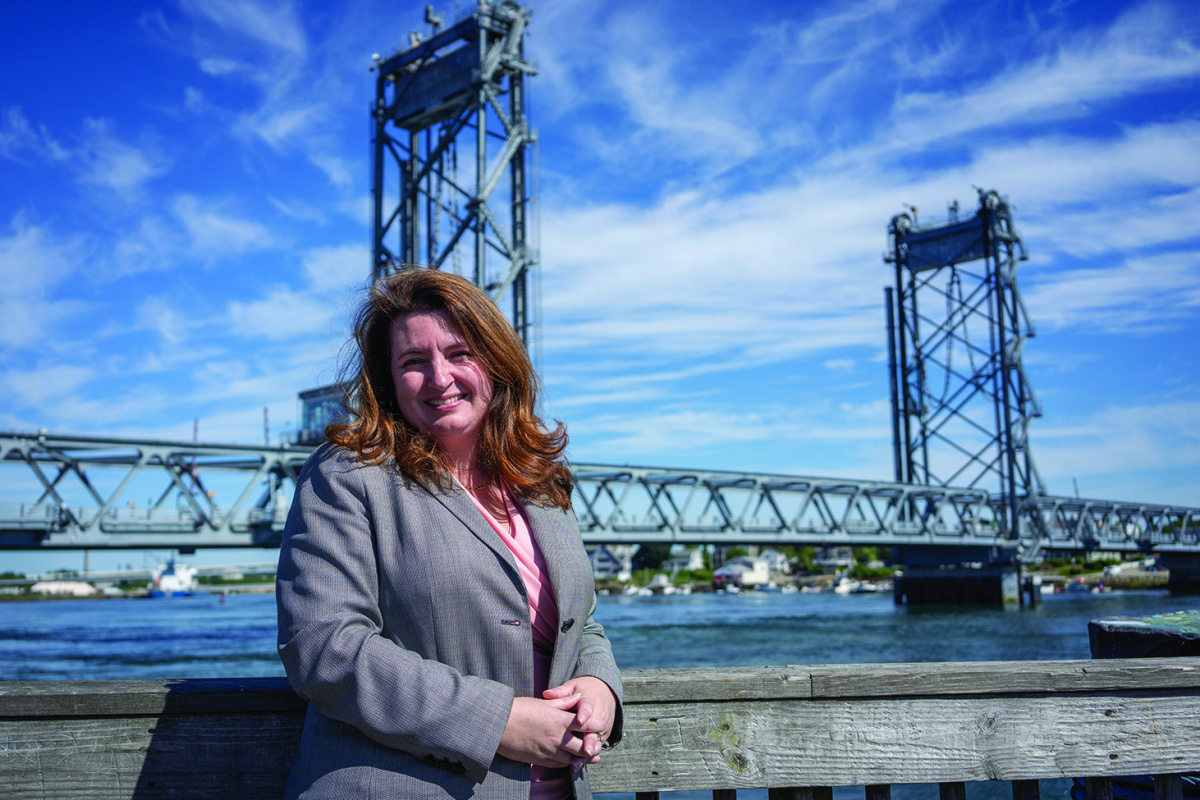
595	714
542	732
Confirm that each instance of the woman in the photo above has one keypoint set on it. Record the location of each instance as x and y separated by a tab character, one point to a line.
435	599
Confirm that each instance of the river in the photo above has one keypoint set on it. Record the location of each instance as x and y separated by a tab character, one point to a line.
207	637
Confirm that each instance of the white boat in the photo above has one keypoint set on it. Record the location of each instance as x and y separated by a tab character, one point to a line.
172	579
846	585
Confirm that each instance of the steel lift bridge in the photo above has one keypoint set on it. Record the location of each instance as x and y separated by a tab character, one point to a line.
450	136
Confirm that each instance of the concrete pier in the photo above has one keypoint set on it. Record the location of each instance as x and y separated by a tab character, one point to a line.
1184	570
961	585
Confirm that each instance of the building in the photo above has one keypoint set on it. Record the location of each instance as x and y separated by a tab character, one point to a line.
776	561
318	408
71	588
685	560
742	571
612	562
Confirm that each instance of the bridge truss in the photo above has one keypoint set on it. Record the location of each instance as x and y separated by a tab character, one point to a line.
87	492
459	95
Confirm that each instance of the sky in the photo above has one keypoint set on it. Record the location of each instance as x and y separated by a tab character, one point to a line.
185	218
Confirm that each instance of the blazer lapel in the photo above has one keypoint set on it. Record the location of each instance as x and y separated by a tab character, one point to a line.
458	503
546	525
547	530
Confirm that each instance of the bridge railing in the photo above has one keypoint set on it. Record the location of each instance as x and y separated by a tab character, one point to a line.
796	731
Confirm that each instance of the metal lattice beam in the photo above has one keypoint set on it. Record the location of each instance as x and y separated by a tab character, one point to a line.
85	491
82	491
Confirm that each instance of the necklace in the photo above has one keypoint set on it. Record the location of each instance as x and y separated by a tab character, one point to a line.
477	486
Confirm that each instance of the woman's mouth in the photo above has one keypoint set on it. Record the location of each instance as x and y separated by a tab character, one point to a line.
446	401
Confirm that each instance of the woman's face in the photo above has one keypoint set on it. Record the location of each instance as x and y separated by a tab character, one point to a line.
441	387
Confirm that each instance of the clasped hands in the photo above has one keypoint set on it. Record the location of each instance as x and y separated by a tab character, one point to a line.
566	727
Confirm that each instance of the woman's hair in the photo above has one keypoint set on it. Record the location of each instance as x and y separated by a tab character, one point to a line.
513	445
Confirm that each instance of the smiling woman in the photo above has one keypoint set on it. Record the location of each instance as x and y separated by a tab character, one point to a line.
440	386
431	574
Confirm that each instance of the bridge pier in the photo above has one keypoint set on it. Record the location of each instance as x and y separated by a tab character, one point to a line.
927	579
959	586
1184	571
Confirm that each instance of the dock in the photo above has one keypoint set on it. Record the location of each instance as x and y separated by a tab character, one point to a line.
796	730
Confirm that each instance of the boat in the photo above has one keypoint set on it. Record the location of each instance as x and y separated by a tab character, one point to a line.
172	579
846	585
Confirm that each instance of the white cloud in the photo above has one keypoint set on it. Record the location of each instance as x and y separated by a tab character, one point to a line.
34	261
108	162
46	383
17	137
274	24
342	268
1145	49
282	314
1123	440
1141	293
214	232
157	314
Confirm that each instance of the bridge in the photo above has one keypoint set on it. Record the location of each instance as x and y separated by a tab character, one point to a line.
962	404
84	492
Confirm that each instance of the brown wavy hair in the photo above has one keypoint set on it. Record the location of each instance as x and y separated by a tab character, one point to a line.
514	444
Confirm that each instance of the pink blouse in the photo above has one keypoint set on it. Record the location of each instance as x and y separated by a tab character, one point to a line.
547	783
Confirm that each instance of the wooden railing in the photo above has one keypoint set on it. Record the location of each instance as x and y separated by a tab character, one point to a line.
795	730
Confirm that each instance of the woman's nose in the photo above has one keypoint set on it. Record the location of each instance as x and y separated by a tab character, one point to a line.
439	373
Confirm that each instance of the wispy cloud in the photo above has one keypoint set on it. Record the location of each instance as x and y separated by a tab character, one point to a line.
1141	294
1148	47
213	231
274	24
19	138
34	263
108	162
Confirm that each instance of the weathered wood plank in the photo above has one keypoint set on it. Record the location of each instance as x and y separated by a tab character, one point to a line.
728	683
201	757
879	791
1168	787
908	680
1026	790
675	746
1099	788
133	698
953	790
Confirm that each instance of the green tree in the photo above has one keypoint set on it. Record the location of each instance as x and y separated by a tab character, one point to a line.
806	559
651	556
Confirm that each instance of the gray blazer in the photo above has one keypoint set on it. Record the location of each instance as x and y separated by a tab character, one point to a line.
405	623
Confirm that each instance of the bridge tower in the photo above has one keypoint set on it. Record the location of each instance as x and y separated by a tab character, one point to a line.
961	400
451	142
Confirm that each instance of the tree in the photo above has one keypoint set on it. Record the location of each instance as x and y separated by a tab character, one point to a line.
651	556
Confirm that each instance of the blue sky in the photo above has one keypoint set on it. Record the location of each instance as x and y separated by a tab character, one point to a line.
184	218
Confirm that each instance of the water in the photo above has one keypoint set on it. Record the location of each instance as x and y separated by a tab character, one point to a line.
202	637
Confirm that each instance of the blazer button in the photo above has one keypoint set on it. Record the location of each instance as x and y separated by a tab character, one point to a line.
566	626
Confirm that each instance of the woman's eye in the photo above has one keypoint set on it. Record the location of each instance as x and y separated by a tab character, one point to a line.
459	355
411	363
